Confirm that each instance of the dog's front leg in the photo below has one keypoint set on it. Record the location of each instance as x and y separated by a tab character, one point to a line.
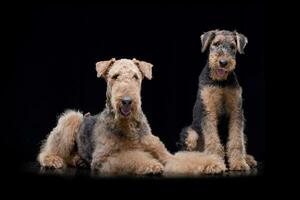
153	145
236	151
211	138
100	155
211	98
236	145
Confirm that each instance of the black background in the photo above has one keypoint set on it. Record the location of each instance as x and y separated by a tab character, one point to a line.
57	48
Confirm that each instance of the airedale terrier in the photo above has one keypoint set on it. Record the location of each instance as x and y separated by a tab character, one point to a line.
219	95
117	141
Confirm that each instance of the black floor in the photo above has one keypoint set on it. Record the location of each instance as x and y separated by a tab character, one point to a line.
34	168
74	182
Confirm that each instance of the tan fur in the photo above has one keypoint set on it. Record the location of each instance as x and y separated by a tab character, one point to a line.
133	162
215	57
212	98
102	67
236	151
58	147
132	152
193	164
146	68
214	64
223	47
206	39
239	37
125	84
123	144
48	160
152	144
250	160
109	144
191	139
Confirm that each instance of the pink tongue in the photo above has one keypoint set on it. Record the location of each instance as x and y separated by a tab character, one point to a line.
220	72
126	110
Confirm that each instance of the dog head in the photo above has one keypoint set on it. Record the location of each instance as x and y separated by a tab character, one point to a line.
223	46
124	78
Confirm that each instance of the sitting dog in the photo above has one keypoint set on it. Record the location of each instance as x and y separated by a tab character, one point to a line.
219	95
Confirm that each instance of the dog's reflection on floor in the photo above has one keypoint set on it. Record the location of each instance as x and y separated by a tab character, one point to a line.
71	172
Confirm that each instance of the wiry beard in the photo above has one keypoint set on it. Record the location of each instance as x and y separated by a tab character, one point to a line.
134	115
215	75
125	127
216	71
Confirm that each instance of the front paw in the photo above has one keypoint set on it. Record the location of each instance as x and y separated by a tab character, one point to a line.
251	161
81	163
215	168
239	165
53	162
155	168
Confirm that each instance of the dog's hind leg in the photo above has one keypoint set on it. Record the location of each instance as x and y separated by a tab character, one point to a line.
60	143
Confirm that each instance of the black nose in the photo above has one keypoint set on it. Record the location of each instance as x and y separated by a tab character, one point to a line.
126	100
223	62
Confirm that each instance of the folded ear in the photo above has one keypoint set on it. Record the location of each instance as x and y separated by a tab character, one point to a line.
145	68
206	39
103	66
241	42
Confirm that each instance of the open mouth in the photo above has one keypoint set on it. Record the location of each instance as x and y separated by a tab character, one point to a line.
221	72
125	110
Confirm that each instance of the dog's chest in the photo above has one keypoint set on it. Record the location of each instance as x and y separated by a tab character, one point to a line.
126	139
220	100
129	144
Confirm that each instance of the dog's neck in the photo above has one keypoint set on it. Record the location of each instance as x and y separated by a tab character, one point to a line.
125	127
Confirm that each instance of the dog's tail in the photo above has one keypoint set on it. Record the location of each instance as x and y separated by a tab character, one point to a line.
182	136
189	140
185	163
57	149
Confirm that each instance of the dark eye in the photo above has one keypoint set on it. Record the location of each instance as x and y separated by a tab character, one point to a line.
217	44
232	46
136	77
115	76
